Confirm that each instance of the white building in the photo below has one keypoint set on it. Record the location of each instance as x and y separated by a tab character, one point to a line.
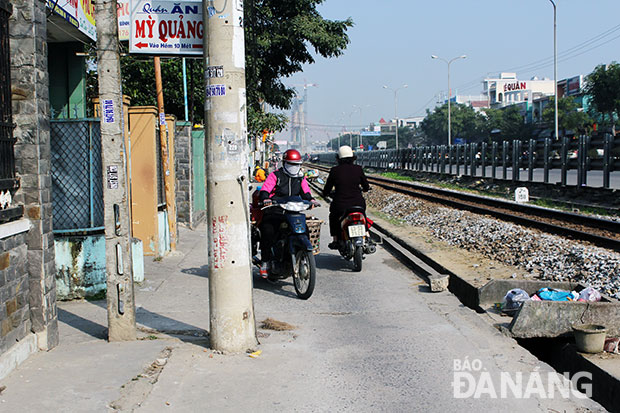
507	90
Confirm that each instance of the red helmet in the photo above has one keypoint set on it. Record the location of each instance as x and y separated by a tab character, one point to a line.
292	156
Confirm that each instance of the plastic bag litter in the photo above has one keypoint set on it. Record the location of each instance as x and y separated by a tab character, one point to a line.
514	299
589	294
611	345
255	354
549	294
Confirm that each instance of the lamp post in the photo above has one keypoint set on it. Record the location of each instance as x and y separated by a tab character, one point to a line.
555	69
449	92
395	107
351	130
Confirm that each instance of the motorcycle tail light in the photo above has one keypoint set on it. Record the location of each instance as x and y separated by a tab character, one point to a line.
355	218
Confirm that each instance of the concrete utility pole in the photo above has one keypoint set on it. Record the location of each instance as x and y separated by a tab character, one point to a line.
165	156
231	309
121	306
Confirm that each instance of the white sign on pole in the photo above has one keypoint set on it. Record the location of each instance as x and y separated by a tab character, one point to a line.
166	27
522	195
122	14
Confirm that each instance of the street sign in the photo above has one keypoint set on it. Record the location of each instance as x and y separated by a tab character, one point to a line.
371	133
122	14
166	27
79	13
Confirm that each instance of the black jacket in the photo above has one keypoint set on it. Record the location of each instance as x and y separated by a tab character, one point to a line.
348	180
284	186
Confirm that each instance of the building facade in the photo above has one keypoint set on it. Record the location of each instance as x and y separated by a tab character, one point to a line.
507	89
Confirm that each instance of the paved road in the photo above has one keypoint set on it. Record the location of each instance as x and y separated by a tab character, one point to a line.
594	178
364	342
370	341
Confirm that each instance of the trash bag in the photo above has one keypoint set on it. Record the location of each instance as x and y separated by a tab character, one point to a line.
589	294
514	299
549	294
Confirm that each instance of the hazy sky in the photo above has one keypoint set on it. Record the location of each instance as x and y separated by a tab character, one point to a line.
392	41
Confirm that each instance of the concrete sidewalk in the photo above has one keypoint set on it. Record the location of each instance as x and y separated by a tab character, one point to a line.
85	372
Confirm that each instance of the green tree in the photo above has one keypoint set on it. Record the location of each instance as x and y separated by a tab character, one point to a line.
506	124
139	84
603	86
466	123
569	117
278	38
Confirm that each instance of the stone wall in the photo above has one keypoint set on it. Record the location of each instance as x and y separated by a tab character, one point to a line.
183	158
30	97
14	308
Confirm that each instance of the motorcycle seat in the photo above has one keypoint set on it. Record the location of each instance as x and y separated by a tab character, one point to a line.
353	209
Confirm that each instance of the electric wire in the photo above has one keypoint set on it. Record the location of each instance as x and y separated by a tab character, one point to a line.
563	56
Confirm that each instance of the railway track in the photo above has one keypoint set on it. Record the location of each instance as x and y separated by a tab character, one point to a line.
600	232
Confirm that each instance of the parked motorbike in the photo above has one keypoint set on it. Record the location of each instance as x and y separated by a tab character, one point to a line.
355	240
292	250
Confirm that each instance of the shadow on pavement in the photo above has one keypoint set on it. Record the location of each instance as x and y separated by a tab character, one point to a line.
333	262
80	323
153	323
202	271
273	286
157	323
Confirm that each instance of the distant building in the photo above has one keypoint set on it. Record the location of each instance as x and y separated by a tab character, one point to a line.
571	87
507	89
386	127
477	102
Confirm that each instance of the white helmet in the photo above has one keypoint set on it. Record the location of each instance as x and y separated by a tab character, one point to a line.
345	151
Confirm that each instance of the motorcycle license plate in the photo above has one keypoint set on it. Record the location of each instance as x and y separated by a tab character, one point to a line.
357	231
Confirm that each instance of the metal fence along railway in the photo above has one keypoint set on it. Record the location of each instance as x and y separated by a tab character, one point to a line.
503	160
601	232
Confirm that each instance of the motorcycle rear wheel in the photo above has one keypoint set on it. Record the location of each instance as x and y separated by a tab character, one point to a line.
304	274
358	256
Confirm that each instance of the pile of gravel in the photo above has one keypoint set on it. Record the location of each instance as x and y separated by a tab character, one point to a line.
544	256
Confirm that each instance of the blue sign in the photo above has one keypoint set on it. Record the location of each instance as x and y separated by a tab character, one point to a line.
108	111
370	133
216	90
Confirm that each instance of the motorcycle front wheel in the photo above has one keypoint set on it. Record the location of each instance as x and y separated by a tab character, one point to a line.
358	256
304	274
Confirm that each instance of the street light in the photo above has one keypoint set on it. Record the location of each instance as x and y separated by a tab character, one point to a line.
358	108
449	91
351	129
555	69
395	107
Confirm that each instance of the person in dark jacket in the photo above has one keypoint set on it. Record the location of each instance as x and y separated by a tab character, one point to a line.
348	181
285	182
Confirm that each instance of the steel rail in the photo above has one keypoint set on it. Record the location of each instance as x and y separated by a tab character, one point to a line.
482	204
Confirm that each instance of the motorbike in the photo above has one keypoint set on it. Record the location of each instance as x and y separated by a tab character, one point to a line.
292	251
355	240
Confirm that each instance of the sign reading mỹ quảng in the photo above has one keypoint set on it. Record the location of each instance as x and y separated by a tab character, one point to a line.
166	27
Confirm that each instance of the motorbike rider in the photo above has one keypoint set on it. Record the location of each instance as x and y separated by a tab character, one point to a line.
349	181
259	173
285	182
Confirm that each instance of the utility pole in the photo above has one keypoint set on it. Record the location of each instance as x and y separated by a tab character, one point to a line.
232	326
117	219
163	139
555	72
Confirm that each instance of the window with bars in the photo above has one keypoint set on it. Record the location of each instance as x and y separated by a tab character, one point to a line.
8	182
